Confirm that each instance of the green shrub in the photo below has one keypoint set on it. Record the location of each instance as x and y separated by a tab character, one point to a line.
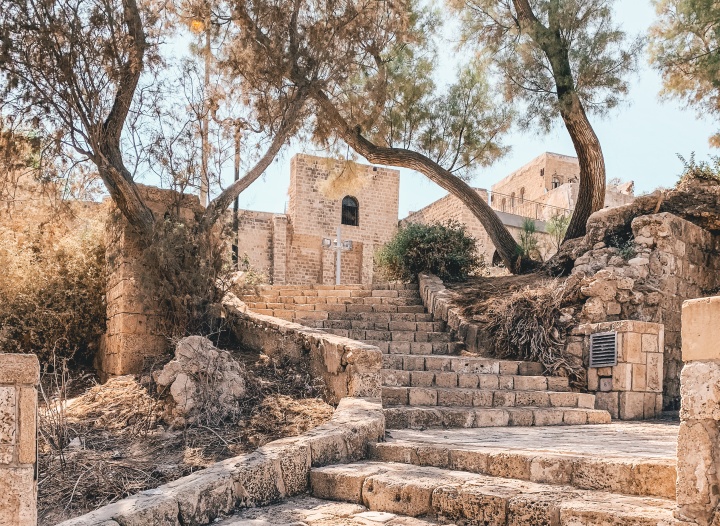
442	249
53	294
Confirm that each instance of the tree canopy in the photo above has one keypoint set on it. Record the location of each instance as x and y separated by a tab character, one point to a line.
685	48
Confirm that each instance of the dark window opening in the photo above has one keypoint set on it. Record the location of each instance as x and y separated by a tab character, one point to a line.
555	182
350	211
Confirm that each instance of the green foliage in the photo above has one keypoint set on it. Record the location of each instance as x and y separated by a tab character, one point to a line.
556	226
625	243
529	240
442	249
599	53
53	295
683	47
708	171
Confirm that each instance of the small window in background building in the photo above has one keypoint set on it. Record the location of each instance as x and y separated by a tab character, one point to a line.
522	194
555	182
350	211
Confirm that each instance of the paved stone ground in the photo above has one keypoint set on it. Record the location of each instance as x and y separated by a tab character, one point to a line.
309	511
619	439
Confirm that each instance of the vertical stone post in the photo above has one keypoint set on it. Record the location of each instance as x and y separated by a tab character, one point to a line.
279	255
368	263
19	377
698	448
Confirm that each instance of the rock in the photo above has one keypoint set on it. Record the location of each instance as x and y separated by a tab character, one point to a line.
202	379
637	262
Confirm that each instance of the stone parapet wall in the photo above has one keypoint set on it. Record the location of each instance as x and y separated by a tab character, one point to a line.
632	389
347	367
274	472
19	377
666	261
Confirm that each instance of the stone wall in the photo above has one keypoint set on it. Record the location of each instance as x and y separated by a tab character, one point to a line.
256	239
665	261
632	389
347	367
134	329
19	377
276	471
536	177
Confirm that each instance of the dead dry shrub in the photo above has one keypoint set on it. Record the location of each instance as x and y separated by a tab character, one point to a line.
52	287
532	323
282	415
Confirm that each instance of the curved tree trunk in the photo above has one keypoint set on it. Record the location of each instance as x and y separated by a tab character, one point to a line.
591	191
505	244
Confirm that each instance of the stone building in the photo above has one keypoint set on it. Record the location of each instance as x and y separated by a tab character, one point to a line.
289	247
545	187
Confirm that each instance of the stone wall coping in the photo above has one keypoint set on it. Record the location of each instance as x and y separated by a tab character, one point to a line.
273	472
19	369
642	327
700	330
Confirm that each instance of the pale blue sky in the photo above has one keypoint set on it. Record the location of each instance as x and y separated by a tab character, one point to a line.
640	140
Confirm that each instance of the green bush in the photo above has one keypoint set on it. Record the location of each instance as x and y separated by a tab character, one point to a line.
442	249
53	294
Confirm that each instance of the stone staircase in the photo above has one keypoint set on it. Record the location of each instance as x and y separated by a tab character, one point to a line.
427	382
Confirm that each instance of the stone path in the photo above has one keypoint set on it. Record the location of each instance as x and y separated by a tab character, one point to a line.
310	511
427	382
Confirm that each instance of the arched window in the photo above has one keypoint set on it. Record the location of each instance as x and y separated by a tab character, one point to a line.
522	195
512	201
555	181
502	205
350	211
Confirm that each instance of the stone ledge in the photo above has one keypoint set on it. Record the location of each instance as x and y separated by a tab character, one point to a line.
348	367
275	471
19	369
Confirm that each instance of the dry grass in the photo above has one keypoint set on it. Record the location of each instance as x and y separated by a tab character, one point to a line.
112	443
526	318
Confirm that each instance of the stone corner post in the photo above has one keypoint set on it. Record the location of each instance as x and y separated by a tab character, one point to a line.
698	448
19	377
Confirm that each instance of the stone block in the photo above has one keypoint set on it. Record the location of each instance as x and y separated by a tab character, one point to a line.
631	348
632	406
27	439
622	376
610	402
655	372
422	378
697	462
649	410
639	377
19	368
650	343
700	329
422	396
700	391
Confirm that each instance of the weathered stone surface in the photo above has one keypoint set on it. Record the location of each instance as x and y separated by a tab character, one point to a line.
700	329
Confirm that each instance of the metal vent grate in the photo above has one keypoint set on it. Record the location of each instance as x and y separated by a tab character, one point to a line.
603	349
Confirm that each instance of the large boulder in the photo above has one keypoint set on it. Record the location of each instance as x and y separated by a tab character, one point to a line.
205	383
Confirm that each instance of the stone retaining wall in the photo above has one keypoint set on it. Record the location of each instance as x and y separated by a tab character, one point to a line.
632	389
19	377
666	261
347	367
275	471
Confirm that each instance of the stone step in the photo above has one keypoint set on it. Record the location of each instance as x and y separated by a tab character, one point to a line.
645	476
421	417
374	286
460	364
400	378
383	317
318	303
459	397
443	348
472	498
394	336
423	326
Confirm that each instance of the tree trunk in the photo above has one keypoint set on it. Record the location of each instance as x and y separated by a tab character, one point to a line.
591	192
505	244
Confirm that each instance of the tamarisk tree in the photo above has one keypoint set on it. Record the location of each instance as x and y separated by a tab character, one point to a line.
71	70
561	58
367	66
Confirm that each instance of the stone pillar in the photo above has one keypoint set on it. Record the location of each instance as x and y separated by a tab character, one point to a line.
279	255
368	263
134	328
698	448
19	377
632	389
